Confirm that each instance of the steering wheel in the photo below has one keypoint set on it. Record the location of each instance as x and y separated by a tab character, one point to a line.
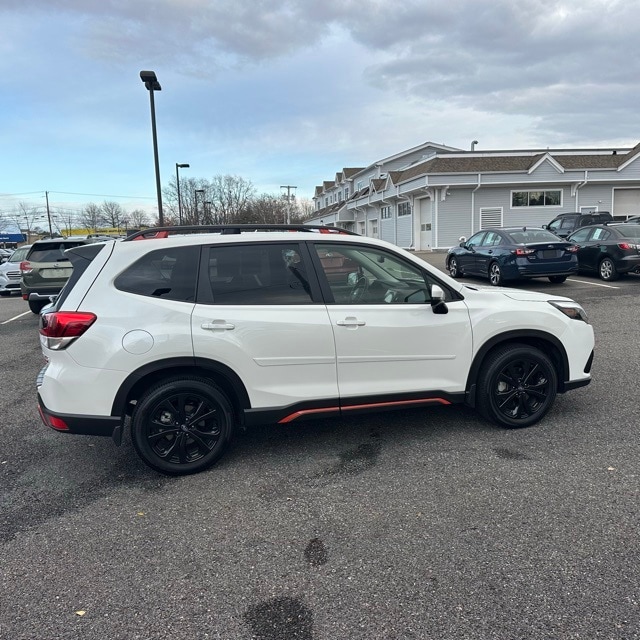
359	290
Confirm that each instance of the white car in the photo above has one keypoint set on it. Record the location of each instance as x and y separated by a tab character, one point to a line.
10	274
195	335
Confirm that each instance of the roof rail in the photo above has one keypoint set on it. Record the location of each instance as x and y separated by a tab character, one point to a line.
227	229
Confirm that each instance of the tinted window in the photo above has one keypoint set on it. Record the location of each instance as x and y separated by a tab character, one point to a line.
600	234
580	236
492	239
568	223
525	236
166	273
627	230
476	239
264	274
376	276
51	251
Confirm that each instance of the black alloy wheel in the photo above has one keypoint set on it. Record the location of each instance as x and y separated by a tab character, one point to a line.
454	271
182	425
517	385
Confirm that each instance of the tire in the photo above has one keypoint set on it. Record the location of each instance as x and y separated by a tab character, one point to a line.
557	279
495	275
607	270
453	268
163	431
37	305
517	386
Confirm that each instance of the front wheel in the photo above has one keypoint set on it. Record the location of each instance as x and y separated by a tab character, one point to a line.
495	275
517	385
454	270
607	270
182	425
557	279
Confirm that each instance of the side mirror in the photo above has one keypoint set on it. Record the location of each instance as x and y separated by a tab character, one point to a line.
438	304
545	226
462	239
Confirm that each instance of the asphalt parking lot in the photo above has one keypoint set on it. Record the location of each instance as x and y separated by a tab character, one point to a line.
416	524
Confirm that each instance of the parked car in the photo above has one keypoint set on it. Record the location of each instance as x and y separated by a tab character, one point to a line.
5	254
193	336
10	271
633	219
608	250
565	224
511	253
45	269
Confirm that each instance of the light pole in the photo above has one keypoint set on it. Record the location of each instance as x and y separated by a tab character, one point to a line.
151	83
179	166
197	212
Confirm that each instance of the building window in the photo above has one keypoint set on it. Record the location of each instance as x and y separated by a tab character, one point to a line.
404	209
346	193
359	185
385	212
536	198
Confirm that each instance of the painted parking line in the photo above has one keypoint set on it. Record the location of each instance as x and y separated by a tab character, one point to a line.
16	317
594	284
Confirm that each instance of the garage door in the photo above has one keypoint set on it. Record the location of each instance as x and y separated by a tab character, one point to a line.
626	202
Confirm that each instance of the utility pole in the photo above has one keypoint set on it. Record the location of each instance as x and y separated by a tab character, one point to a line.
46	195
288	187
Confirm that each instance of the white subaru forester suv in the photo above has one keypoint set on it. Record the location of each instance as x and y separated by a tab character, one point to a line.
191	333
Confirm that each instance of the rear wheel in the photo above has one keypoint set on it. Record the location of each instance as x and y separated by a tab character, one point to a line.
182	425
557	279
517	385
607	270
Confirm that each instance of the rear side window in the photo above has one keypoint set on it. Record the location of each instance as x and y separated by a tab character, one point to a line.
51	251
256	274
170	274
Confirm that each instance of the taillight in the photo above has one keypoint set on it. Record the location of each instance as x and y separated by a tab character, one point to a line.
60	328
25	267
523	251
572	249
625	246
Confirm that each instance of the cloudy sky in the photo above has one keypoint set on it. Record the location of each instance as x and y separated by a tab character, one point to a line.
290	91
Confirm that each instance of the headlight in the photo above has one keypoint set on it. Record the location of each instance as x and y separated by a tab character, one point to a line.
570	309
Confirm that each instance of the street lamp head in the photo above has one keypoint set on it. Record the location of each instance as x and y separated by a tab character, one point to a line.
199	190
150	80
182	166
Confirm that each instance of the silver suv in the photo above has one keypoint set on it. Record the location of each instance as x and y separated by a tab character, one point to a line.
194	335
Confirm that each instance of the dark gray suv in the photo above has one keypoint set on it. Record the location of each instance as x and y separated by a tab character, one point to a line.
565	224
45	270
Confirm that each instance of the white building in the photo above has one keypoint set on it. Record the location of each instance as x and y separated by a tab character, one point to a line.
428	196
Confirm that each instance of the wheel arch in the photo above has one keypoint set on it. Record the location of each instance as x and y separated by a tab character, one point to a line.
545	342
141	379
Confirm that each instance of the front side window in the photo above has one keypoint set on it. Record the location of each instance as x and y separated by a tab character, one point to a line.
257	274
580	236
476	239
551	198
367	275
170	274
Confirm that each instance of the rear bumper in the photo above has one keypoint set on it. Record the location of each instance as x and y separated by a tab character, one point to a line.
78	424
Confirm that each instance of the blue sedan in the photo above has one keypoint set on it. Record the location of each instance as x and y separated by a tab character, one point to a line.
511	253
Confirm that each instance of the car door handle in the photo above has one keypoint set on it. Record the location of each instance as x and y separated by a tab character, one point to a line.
351	322
218	325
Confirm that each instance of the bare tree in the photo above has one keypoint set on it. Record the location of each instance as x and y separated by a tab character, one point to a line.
304	209
112	214
229	197
265	209
91	217
65	221
138	219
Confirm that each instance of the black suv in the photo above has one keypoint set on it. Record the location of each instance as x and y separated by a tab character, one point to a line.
45	270
608	250
566	223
